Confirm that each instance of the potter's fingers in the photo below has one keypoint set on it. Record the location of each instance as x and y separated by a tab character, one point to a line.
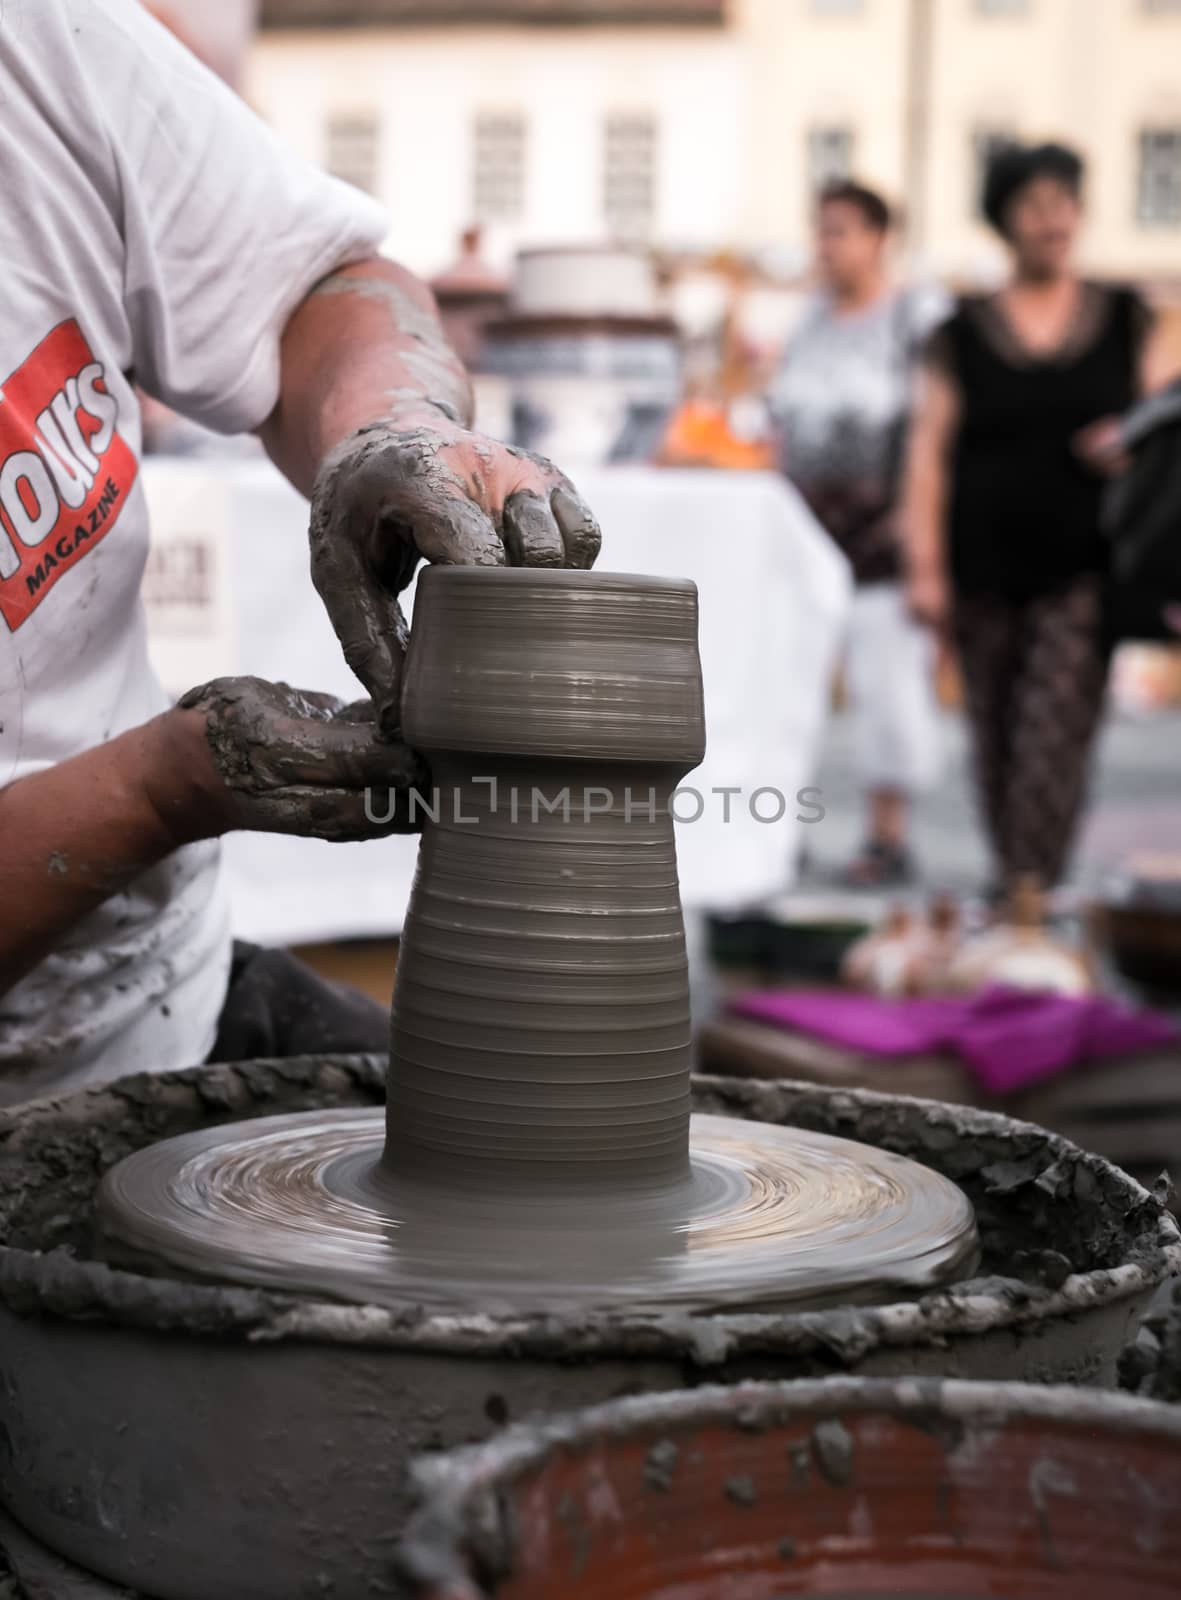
317	703
357	711
581	534
364	616
338	754
343	815
452	530
387	705
228	692
246	711
340	816
532	537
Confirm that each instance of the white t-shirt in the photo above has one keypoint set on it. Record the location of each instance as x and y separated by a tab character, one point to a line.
152	230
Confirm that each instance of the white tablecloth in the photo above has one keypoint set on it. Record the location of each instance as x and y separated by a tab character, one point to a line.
228	592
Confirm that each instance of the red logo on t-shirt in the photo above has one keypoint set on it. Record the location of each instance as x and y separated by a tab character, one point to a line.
65	471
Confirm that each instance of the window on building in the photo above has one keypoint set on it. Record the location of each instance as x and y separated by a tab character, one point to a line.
498	189
1002	8
1158	192
985	144
830	155
352	145
629	174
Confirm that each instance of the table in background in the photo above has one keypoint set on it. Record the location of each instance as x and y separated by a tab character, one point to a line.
228	592
1126	1108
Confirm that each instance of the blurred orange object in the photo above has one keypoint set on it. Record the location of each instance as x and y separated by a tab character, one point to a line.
700	435
1146	678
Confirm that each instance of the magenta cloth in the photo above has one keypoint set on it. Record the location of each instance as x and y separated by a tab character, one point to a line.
1008	1037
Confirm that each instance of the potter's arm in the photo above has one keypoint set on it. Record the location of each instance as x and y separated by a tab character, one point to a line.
365	345
77	833
374	419
237	753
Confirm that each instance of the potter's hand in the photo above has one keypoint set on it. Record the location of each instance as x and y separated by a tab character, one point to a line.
419	485
265	757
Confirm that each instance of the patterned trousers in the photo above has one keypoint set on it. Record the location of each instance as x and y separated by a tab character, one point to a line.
1035	673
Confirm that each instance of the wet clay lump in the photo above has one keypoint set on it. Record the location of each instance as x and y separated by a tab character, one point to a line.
541	1014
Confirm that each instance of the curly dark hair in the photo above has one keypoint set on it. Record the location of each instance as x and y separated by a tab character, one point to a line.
1012	166
874	211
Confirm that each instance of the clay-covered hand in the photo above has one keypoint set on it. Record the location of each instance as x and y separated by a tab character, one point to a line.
416	486
272	759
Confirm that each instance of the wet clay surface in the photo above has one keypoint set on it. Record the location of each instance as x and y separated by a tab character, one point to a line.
1151	1364
541	1012
768	1217
848	1488
28	1571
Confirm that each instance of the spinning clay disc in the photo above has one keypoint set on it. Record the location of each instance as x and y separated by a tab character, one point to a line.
768	1217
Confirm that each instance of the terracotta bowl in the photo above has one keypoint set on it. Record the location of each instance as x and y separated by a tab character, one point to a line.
845	1487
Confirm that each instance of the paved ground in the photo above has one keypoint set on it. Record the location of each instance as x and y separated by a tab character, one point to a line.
1136	804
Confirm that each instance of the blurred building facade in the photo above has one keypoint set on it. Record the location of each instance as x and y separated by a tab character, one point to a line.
541	123
911	94
698	124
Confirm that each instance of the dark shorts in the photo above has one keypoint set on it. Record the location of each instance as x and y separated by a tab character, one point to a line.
277	1006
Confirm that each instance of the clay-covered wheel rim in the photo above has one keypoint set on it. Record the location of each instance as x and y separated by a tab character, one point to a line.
59	1285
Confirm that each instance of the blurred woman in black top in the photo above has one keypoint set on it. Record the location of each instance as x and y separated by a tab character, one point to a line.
1015	428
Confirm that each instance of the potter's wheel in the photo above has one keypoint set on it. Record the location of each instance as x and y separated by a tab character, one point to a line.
766	1217
536	1151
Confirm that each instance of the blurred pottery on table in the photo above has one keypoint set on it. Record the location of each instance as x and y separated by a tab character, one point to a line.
940	943
591	363
907	955
889	960
1020	953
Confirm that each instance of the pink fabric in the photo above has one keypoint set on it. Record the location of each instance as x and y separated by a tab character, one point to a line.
1008	1037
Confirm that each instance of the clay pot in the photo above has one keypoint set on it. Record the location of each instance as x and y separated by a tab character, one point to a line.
941	943
189	1440
906	956
592	366
846	1488
887	960
541	1013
